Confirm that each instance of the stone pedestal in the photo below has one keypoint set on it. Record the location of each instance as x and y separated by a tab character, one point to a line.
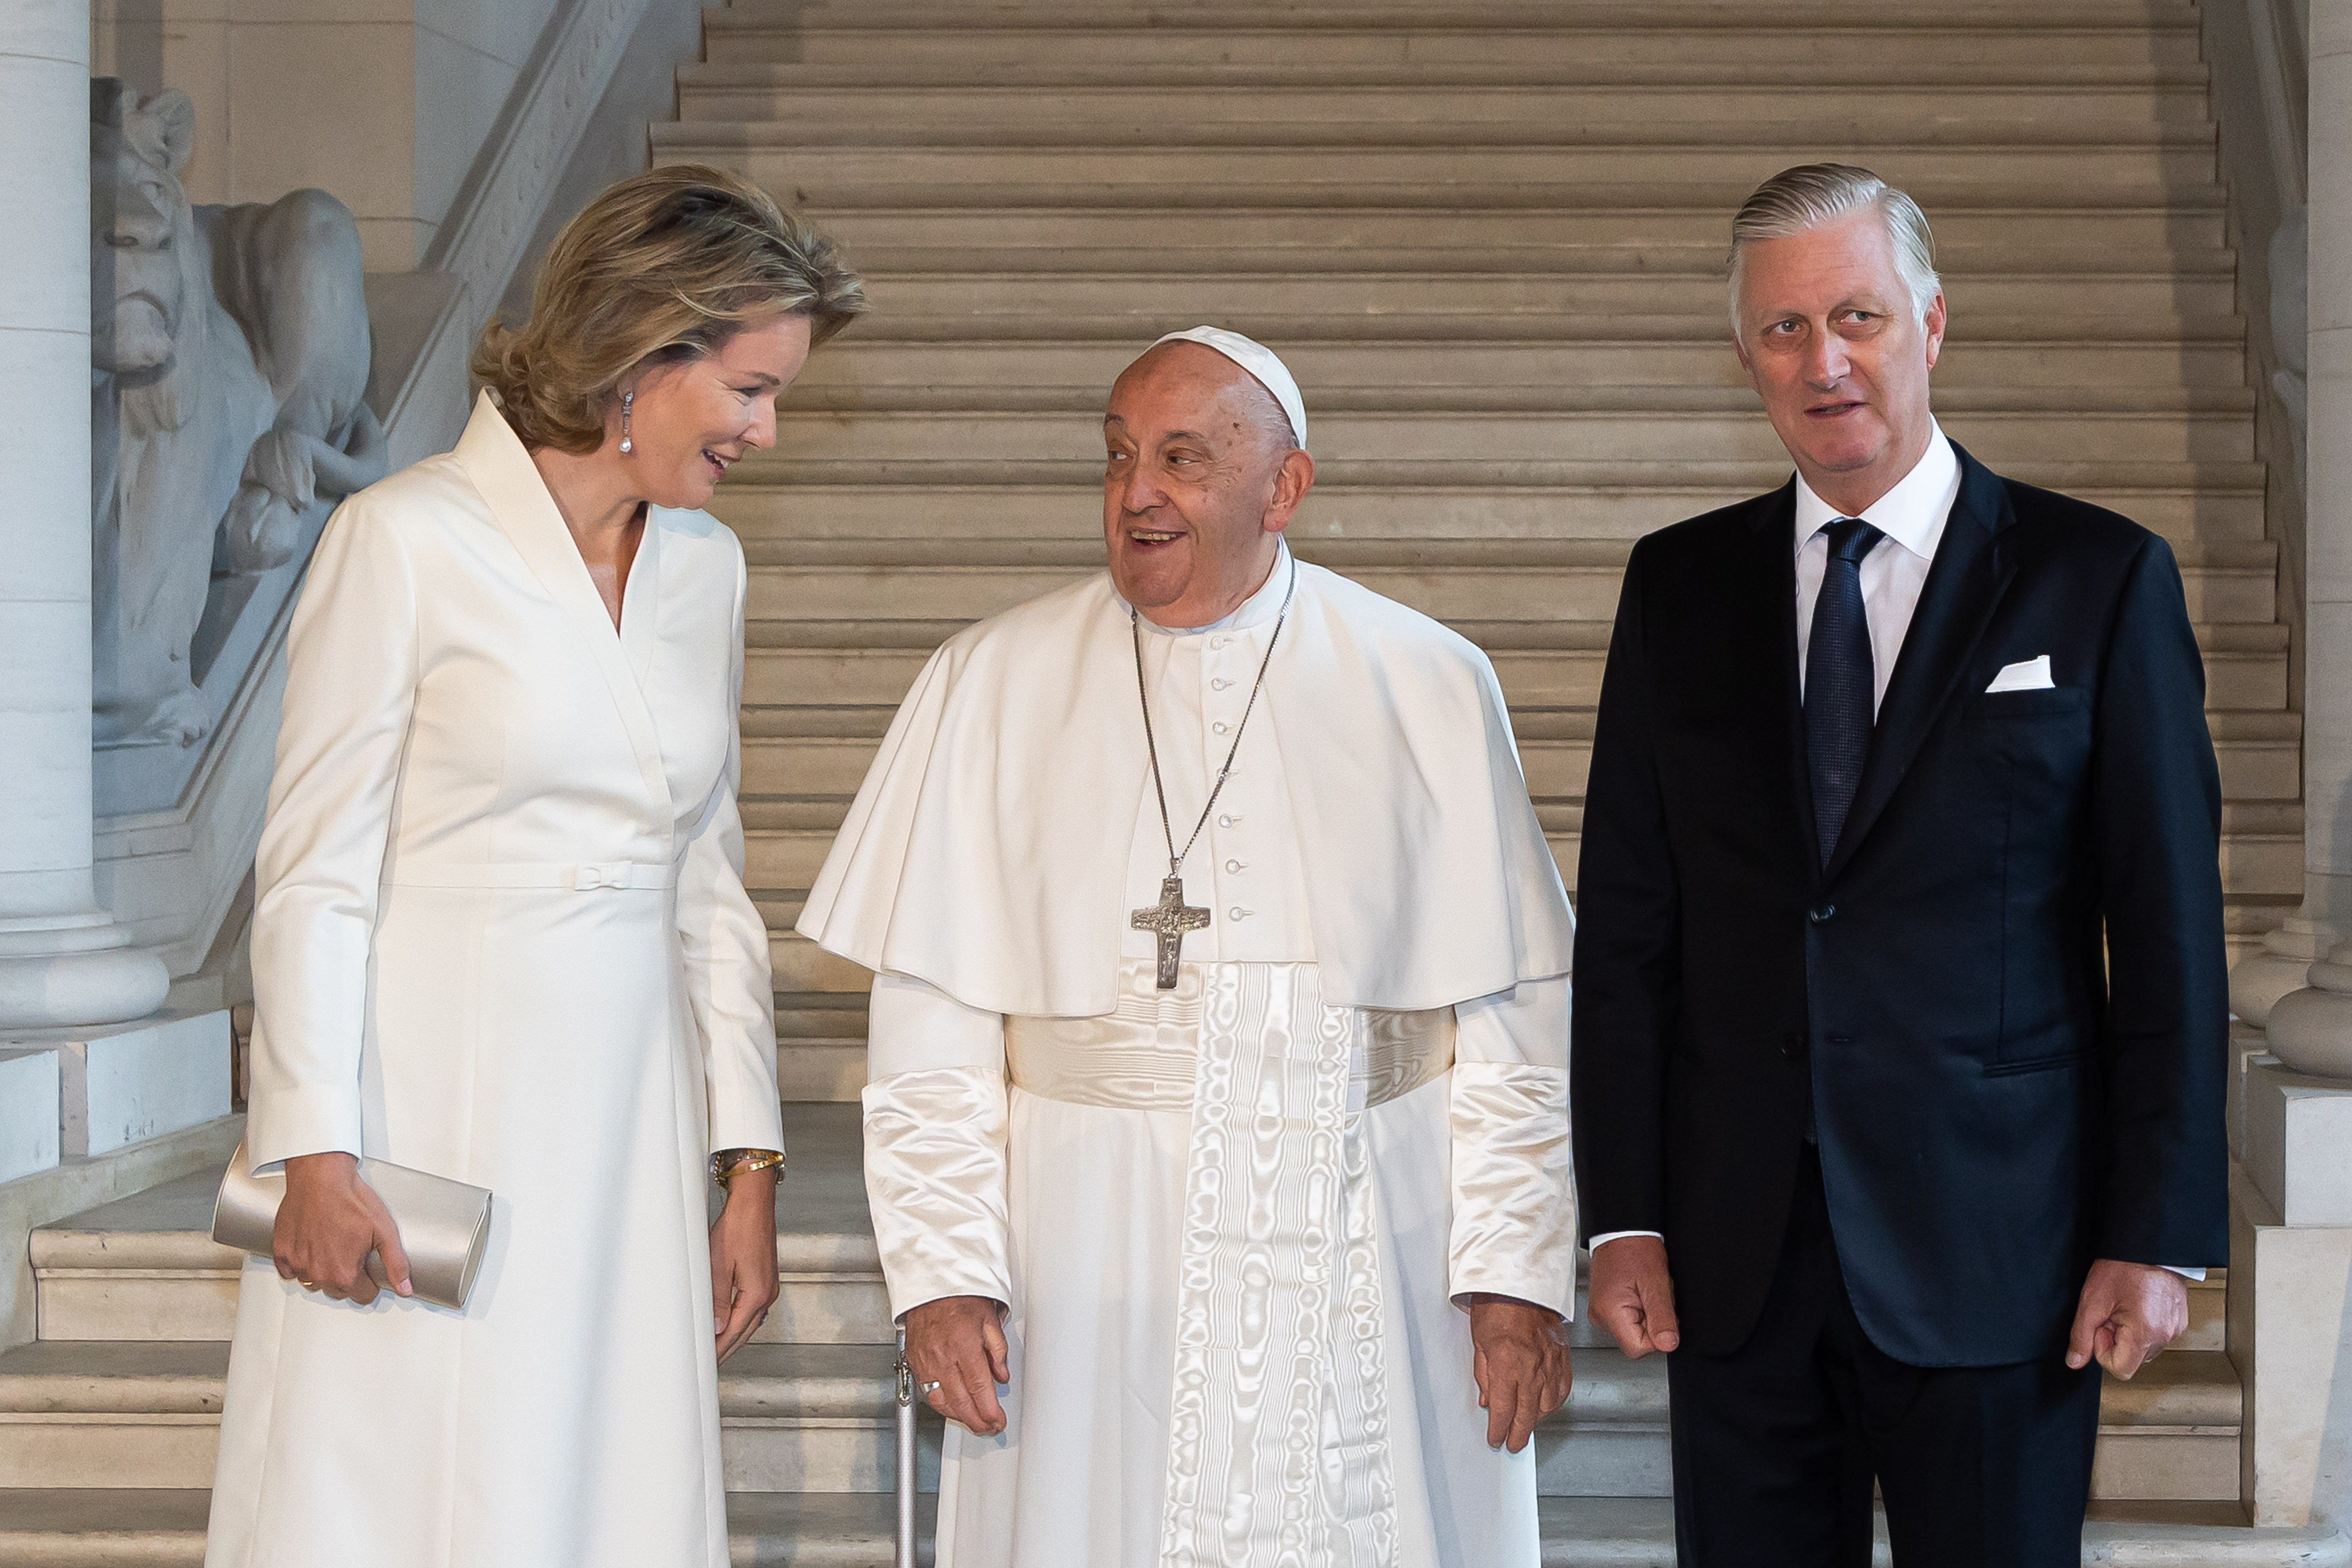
2291	1294
62	958
30	1117
113	1086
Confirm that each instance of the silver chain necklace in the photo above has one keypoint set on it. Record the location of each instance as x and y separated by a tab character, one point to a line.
1170	918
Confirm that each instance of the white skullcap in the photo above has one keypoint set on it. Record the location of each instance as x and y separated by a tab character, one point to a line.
1258	360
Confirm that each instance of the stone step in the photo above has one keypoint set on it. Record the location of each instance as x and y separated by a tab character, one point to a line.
1638	252
1132	113
875	366
119	1528
1421	118
1287	331
2000	439
1458	581
2260	756
815	1417
2222	508
1021	49
1083	402
1565	677
1695	18
1711	177
1964	225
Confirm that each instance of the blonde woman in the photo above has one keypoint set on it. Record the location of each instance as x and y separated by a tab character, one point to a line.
502	936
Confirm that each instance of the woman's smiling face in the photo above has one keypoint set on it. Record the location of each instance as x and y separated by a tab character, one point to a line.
694	419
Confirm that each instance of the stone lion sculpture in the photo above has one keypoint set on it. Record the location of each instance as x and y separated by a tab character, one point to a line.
229	359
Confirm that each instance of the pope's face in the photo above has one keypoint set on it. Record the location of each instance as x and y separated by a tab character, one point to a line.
1833	345
1197	482
694	419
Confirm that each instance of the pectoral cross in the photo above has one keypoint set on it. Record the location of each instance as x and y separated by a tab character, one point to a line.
1169	920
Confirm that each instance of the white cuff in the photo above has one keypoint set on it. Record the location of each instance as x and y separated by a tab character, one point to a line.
1598	1242
2196	1274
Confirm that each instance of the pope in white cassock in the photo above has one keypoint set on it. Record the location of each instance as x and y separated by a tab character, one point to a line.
1217	1099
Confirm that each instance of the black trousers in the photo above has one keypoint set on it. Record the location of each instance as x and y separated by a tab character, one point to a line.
1775	1445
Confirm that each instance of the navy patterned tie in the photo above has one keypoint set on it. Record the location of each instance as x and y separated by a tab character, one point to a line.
1839	681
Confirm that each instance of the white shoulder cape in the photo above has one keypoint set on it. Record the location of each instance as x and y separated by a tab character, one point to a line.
987	851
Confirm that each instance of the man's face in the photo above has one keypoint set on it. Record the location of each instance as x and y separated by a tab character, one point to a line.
1831	344
1197	481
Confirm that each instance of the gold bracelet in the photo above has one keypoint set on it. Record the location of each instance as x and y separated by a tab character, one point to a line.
728	1163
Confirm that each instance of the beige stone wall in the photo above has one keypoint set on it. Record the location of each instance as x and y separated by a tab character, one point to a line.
385	103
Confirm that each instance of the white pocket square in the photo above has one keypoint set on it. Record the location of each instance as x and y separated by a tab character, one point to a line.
2028	675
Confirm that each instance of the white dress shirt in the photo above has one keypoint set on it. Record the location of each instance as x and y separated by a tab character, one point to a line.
1912	515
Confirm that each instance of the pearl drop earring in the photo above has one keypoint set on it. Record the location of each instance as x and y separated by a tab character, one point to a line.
627	445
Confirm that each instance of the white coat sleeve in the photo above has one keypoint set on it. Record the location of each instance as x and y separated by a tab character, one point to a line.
936	1120
1513	1180
351	669
725	946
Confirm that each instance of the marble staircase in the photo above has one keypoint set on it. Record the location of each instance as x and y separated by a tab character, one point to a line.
1487	236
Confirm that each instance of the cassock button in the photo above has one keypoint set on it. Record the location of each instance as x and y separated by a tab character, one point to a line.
1227	820
1219	684
1820	914
1237	913
1220	728
1233	865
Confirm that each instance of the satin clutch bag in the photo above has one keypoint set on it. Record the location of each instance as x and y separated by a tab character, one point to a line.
445	1225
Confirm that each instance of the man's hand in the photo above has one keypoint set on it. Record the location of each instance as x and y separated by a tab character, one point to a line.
744	1259
2129	1313
328	1223
958	1342
1520	1359
1632	1296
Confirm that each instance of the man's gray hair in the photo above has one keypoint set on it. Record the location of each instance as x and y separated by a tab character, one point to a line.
1812	194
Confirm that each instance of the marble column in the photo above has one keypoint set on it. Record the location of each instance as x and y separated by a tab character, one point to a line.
2311	1028
63	960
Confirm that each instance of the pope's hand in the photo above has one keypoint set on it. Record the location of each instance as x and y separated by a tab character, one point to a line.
1519	1355
2129	1313
1632	1296
744	1259
328	1223
958	1342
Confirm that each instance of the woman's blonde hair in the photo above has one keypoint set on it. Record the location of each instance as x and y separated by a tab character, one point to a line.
663	267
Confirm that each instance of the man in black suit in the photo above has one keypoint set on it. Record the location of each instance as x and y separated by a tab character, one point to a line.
1901	996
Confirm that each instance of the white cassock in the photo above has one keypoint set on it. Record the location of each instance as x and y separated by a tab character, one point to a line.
502	936
1230	1221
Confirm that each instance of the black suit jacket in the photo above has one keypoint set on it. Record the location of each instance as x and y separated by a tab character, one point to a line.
1995	1106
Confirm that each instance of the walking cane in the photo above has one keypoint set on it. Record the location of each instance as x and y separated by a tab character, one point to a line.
906	1558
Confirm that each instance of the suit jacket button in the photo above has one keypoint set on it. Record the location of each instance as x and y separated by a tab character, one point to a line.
1792	1045
1820	913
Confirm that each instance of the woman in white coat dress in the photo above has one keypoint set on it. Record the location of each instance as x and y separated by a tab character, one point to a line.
502	936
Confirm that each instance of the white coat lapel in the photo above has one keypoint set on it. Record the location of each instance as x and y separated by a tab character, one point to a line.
501	469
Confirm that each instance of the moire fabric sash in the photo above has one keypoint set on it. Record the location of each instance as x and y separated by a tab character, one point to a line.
1143	1056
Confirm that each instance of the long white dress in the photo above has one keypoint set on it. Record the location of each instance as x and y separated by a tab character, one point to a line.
1195	1380
502	936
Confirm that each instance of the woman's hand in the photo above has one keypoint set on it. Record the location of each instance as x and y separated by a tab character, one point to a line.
744	1259
328	1223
